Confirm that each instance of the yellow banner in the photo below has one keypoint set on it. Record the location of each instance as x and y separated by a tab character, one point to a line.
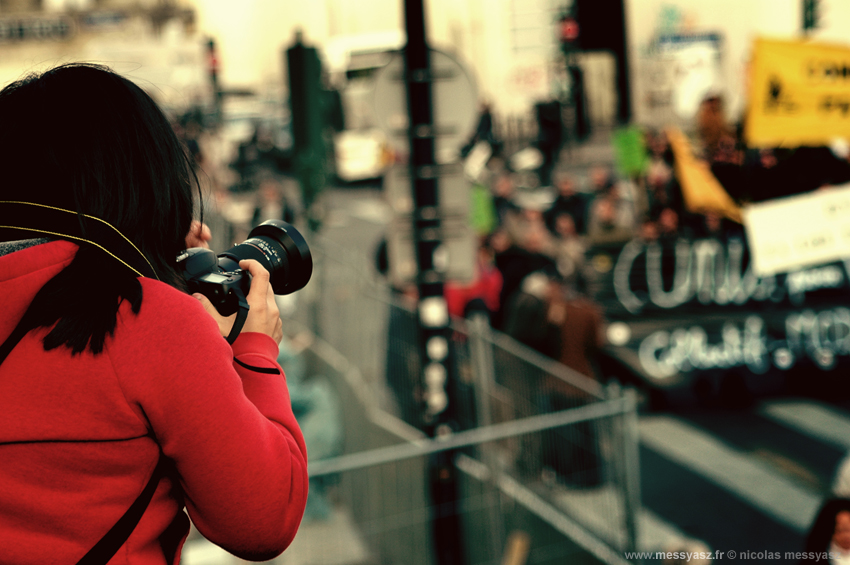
700	188
799	94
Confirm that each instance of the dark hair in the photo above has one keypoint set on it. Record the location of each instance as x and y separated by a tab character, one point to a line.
83	138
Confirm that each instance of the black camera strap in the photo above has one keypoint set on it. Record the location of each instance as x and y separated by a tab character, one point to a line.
241	316
20	220
112	541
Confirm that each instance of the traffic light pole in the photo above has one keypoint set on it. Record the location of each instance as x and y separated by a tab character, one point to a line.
304	70
212	69
435	345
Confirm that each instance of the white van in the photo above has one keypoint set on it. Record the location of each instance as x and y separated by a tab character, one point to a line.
361	149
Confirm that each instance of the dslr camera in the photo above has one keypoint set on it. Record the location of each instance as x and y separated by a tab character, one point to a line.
275	244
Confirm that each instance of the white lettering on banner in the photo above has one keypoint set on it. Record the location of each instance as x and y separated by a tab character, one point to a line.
663	354
801	282
820	336
712	273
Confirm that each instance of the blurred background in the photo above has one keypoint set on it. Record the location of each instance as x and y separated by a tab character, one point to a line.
581	267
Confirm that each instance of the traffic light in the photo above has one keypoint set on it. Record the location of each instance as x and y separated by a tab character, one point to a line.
568	32
811	14
314	112
212	69
568	28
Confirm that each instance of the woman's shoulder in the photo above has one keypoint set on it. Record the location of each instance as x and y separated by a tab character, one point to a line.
164	306
169	325
159	293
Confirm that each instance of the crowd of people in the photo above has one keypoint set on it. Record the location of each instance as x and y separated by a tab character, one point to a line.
552	235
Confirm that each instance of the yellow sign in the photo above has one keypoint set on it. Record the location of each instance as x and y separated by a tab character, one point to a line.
700	188
799	94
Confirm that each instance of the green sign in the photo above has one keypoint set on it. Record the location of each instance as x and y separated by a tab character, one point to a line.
630	151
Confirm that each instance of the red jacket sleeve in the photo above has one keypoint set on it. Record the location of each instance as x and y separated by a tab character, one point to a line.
222	414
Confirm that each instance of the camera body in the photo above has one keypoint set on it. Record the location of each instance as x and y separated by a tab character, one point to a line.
204	274
275	244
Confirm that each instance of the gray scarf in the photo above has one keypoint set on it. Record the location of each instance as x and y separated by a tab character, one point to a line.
7	247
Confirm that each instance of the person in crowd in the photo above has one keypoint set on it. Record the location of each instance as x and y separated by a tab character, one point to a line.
662	190
257	158
517	259
190	132
568	201
659	148
504	191
577	326
668	225
612	220
113	380
271	204
403	367
612	217
528	217
482	293
581	325
569	251
525	312
601	180
484	132
712	128
712	225
549	137
648	232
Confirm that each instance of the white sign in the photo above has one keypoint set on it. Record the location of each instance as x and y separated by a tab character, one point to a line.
677	75
696	64
799	231
453	95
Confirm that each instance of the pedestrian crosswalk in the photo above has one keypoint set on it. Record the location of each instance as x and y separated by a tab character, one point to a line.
779	505
819	421
748	478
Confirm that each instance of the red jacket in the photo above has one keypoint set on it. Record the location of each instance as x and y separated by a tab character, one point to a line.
80	435
486	286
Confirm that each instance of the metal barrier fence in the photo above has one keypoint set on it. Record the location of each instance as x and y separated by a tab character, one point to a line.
545	467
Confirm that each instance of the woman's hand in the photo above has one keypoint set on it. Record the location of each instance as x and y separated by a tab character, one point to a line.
263	316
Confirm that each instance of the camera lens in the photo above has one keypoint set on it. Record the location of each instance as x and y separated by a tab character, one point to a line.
278	247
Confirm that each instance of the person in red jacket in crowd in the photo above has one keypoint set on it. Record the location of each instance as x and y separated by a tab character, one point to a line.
481	294
114	384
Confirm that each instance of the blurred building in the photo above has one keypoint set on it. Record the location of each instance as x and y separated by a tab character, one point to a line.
153	42
675	51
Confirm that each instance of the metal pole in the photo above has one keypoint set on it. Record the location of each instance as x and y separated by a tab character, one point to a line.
630	470
433	312
484	374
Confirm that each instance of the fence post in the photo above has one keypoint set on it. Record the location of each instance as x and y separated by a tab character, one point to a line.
484	376
482	367
629	454
320	271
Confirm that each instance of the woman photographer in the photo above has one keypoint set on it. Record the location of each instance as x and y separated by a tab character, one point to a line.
121	403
